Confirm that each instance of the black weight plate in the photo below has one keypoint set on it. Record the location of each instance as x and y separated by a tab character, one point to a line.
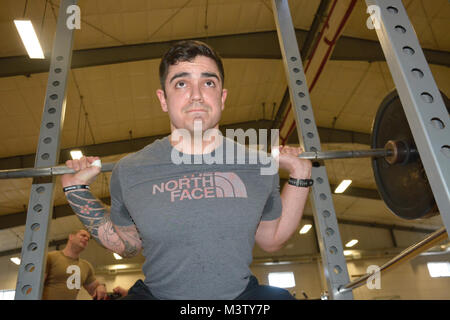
403	187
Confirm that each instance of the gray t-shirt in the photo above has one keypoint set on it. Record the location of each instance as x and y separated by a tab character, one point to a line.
197	222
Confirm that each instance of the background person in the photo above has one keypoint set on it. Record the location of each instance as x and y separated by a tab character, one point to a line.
61	272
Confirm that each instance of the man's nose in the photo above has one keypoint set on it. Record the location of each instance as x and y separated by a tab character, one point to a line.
196	93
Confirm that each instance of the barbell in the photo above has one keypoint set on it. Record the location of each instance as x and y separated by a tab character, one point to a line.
107	167
398	170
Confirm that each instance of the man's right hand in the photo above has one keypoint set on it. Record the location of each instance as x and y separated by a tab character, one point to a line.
123	292
85	174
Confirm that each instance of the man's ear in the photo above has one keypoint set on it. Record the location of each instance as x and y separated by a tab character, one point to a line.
224	97
162	99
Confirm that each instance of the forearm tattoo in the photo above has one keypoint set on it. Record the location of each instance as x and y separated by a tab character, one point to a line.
96	218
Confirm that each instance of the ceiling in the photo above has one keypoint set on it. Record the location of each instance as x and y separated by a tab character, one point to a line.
117	102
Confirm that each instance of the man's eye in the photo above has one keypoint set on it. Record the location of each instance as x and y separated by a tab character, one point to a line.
210	83
180	84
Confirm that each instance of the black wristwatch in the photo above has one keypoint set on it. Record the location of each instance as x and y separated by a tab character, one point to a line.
301	182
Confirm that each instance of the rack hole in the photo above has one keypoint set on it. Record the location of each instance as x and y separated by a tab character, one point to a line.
35	226
296	70
54	96
333	250
58	70
59	58
319	180
417	73
437	123
408	50
52	110
38	208
392	10
322	196
446	151
55	83
326	213
329	232
400	29
299	82
26	290
428	98
310	135
40	189
50	125
307	121
337	269
45	156
30	267
47	140
32	246
293	59
313	149
301	94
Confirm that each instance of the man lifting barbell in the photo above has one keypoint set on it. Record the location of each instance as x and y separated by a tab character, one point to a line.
201	247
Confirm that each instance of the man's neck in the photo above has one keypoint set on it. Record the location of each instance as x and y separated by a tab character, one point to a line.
196	142
70	252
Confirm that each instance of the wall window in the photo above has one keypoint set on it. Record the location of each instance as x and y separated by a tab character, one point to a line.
282	279
439	269
7	294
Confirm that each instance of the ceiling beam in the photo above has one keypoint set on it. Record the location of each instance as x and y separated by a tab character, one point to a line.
18	219
327	135
256	45
53	243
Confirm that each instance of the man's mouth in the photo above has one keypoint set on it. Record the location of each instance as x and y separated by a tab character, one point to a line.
196	110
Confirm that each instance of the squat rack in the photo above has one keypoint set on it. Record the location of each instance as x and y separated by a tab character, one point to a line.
418	93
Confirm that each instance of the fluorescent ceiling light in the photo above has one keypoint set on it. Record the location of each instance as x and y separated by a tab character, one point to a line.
119	267
282	279
15	260
348	252
117	256
343	186
439	269
305	228
76	154
351	243
276	263
29	39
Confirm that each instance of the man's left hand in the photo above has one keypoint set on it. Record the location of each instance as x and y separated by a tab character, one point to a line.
289	160
100	293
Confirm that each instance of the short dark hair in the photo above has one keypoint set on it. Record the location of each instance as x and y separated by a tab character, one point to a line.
187	50
75	232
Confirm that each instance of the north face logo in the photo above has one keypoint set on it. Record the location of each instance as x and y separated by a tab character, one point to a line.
202	186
